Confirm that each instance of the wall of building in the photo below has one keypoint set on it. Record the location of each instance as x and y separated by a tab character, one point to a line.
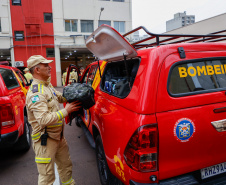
174	23
5	31
180	20
38	34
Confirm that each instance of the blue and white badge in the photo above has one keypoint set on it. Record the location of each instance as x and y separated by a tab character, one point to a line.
184	129
35	99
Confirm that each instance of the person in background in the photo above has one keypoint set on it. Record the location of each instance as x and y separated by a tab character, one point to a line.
28	75
81	72
47	122
64	76
74	76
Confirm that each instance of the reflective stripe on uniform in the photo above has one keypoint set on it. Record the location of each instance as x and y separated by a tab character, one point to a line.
60	115
67	182
58	124
30	88
42	160
40	88
36	136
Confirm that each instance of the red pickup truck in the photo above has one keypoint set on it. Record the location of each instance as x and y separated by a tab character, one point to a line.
160	112
14	127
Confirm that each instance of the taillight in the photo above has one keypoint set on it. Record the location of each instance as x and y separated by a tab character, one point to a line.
141	151
6	115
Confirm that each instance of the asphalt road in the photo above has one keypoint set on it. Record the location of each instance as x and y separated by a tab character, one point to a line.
18	168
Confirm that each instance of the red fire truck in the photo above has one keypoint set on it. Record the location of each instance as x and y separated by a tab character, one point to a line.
160	112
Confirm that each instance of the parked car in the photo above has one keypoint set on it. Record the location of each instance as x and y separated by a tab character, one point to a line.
14	126
160	112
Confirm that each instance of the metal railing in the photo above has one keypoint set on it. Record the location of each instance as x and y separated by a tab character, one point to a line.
163	39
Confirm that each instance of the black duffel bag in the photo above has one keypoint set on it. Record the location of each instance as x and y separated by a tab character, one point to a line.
80	92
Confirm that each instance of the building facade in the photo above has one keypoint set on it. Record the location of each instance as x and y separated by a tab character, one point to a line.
57	29
180	20
75	20
6	51
207	26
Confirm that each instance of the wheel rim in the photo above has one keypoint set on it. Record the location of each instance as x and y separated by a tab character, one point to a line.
102	164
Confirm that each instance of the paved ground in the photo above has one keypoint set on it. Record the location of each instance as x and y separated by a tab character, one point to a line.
20	168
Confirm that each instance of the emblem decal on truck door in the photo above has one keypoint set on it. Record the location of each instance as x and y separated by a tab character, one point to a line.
184	129
119	168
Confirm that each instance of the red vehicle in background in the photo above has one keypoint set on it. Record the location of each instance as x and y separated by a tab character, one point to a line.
14	127
160	112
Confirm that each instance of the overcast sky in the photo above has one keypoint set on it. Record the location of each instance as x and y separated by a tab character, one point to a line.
153	14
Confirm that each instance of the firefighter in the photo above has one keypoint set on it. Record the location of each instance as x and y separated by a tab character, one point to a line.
74	76
47	121
64	76
28	75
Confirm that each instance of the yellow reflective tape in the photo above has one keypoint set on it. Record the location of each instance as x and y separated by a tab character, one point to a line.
30	88
97	78
36	136
61	114
67	182
58	115
42	88
24	90
55	125
42	160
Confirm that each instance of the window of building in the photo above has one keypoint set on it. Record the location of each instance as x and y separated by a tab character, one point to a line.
50	52
197	76
119	26
119	0
48	17
71	25
86	26
19	35
16	2
105	22
0	26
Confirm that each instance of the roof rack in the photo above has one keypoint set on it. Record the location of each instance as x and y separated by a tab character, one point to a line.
163	39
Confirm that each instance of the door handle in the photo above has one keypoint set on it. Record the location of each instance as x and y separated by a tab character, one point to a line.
220	125
219	110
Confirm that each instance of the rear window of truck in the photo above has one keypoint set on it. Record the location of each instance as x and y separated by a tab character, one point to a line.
9	78
199	76
119	76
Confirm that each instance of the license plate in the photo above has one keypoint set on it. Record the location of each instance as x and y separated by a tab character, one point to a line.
213	170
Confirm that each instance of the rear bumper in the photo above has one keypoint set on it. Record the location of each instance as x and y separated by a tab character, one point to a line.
7	140
188	179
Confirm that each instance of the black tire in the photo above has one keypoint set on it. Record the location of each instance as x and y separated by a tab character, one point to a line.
106	177
24	142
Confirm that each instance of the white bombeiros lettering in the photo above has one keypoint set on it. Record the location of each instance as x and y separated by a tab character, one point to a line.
203	70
